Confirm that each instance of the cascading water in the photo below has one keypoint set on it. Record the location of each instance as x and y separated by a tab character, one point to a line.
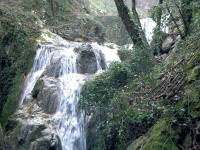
57	58
148	26
59	55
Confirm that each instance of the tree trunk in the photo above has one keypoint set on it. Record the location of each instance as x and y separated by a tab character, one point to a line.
136	19
186	15
174	20
159	15
51	5
131	26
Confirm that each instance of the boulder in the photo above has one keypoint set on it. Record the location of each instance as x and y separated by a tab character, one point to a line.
92	132
53	70
27	135
48	95
167	44
87	59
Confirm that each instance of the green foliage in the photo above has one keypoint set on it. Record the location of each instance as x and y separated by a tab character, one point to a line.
102	7
155	13
33	4
160	137
157	40
177	127
196	17
123	54
118	122
18	47
140	61
13	98
98	92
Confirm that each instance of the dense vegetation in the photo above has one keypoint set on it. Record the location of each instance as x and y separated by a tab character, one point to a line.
154	105
17	50
144	102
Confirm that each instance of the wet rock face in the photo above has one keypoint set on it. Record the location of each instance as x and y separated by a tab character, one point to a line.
28	136
87	60
48	95
53	69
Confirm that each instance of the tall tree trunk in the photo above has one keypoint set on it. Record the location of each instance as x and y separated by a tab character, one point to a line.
174	20
159	15
136	19
131	26
186	15
158	30
51	5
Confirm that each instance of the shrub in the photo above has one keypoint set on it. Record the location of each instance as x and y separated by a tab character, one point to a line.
98	92
18	47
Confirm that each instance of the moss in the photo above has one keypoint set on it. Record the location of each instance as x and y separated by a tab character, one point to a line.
187	142
160	137
18	46
194	74
48	34
12	102
41	39
192	93
11	125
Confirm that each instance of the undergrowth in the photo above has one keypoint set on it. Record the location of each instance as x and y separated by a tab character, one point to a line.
17	48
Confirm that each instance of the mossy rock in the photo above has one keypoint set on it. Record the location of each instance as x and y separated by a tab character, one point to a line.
42	39
160	137
194	74
193	62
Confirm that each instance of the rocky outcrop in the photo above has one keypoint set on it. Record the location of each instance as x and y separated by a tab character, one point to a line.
87	60
48	94
27	135
168	43
32	126
53	70
92	134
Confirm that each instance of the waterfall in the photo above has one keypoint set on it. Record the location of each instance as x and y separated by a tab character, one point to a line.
57	58
148	26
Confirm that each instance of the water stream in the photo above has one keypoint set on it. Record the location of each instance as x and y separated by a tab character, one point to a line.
60	55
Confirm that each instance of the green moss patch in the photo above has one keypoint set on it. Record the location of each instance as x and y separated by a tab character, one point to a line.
17	49
160	137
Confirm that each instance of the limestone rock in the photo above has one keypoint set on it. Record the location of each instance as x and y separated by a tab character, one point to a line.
167	43
48	96
31	136
87	60
53	70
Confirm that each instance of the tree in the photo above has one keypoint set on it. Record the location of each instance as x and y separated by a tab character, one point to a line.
156	14
52	7
132	24
183	12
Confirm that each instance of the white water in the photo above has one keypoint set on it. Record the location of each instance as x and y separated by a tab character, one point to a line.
148	26
70	124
